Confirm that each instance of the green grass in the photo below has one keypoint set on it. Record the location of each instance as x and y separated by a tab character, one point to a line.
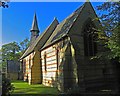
23	88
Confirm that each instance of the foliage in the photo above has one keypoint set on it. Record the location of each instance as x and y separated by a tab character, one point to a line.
7	87
10	51
114	43
110	20
4	3
110	15
13	50
24	44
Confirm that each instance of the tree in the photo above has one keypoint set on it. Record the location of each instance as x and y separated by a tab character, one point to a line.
4	3
24	44
10	51
7	87
111	23
13	50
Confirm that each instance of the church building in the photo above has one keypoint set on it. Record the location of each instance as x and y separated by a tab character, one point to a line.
61	56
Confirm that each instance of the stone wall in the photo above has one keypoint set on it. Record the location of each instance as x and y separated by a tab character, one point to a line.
93	74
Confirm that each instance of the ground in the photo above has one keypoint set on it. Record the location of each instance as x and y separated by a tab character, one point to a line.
23	88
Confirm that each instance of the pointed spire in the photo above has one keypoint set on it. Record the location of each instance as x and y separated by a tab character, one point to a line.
34	24
34	30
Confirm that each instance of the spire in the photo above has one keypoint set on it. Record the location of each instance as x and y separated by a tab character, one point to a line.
34	24
34	30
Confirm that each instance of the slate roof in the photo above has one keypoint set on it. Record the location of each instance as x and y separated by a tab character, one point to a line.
40	40
63	28
60	31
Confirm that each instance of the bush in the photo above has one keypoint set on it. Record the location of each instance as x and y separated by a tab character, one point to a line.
7	87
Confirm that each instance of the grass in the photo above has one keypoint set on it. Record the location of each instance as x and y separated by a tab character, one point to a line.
23	88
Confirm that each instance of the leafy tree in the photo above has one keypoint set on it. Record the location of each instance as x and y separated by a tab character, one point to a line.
110	14
10	51
111	24
24	44
7	87
110	20
13	50
4	3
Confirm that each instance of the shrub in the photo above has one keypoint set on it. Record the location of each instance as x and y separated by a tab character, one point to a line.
7	87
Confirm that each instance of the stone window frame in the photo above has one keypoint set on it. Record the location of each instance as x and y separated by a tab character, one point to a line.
90	38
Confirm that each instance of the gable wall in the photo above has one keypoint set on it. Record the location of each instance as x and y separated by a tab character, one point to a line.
90	73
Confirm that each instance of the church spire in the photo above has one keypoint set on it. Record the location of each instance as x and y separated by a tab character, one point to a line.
34	30
34	24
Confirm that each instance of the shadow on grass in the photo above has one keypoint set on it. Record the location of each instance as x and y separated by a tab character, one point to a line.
23	89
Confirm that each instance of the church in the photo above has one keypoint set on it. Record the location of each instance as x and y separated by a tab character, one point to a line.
61	56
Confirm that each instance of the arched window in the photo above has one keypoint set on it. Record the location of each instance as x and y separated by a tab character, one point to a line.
90	37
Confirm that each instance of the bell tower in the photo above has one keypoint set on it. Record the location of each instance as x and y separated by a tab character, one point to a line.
34	30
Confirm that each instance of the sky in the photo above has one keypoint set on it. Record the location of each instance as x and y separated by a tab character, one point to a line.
17	19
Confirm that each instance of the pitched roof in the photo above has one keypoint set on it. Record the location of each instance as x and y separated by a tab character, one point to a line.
63	28
41	40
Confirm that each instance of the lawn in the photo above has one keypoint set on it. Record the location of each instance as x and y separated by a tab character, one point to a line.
23	88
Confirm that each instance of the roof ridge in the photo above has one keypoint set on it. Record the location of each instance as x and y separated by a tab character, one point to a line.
68	22
34	44
63	28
